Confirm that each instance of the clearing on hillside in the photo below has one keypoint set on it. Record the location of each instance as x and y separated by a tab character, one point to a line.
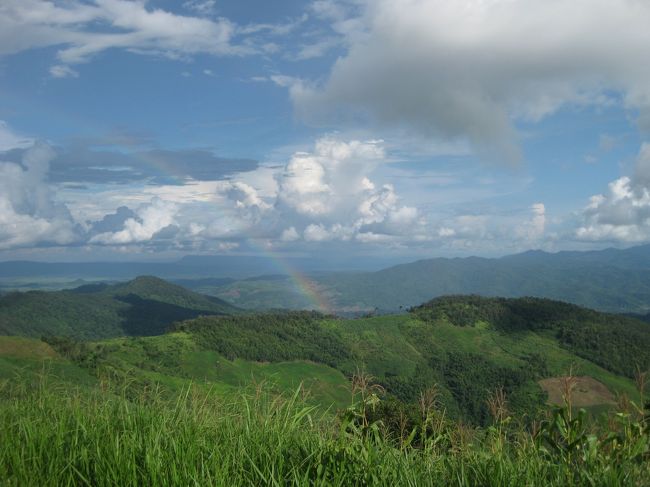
586	392
20	347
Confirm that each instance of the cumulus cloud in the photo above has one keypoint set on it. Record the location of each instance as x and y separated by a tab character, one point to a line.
289	235
149	220
471	70
622	213
330	192
331	195
324	181
533	229
29	213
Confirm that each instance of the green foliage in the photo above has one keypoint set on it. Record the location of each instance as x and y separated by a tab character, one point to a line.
408	353
144	306
104	437
471	379
468	346
271	337
617	343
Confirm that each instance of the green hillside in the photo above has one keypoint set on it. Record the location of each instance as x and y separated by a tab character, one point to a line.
144	306
309	399
466	347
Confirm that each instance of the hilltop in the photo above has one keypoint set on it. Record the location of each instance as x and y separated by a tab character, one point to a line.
144	306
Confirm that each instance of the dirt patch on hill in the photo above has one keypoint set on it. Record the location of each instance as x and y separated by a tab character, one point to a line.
19	347
587	391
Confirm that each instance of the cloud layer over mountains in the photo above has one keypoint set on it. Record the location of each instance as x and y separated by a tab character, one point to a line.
374	84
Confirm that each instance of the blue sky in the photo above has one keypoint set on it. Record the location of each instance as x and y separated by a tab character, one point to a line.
388	128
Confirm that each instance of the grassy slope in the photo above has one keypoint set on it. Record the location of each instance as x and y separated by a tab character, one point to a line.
402	346
172	361
408	354
405	353
209	433
28	361
105	439
175	359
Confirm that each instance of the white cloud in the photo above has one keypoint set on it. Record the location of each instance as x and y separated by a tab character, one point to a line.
201	7
472	69
290	235
316	49
533	230
29	213
151	218
330	179
328	10
622	213
332	195
81	30
316	233
62	71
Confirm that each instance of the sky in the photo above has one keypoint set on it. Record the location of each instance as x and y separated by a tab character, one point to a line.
406	129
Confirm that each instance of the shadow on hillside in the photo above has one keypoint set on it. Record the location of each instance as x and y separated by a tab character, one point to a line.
146	317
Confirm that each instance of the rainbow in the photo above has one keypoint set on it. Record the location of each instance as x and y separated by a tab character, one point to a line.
160	165
303	285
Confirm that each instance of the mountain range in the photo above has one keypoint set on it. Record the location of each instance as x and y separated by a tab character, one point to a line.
613	280
610	280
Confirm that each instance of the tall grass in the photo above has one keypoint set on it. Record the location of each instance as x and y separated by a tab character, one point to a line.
54	436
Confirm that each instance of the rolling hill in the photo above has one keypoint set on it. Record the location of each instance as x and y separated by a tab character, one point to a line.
467	346
463	346
144	306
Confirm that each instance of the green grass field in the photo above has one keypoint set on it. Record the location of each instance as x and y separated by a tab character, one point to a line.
425	398
54	436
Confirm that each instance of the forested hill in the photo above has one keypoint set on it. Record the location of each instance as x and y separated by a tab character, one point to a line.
608	280
618	343
144	306
465	346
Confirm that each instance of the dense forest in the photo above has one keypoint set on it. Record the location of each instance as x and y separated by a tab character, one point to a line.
144	306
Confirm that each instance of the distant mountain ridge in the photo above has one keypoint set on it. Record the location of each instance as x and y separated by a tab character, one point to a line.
609	280
614	280
146	305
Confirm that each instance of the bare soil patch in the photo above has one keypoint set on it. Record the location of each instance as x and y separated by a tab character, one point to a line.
587	391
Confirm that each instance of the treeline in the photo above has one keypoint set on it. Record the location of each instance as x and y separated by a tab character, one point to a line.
269	337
